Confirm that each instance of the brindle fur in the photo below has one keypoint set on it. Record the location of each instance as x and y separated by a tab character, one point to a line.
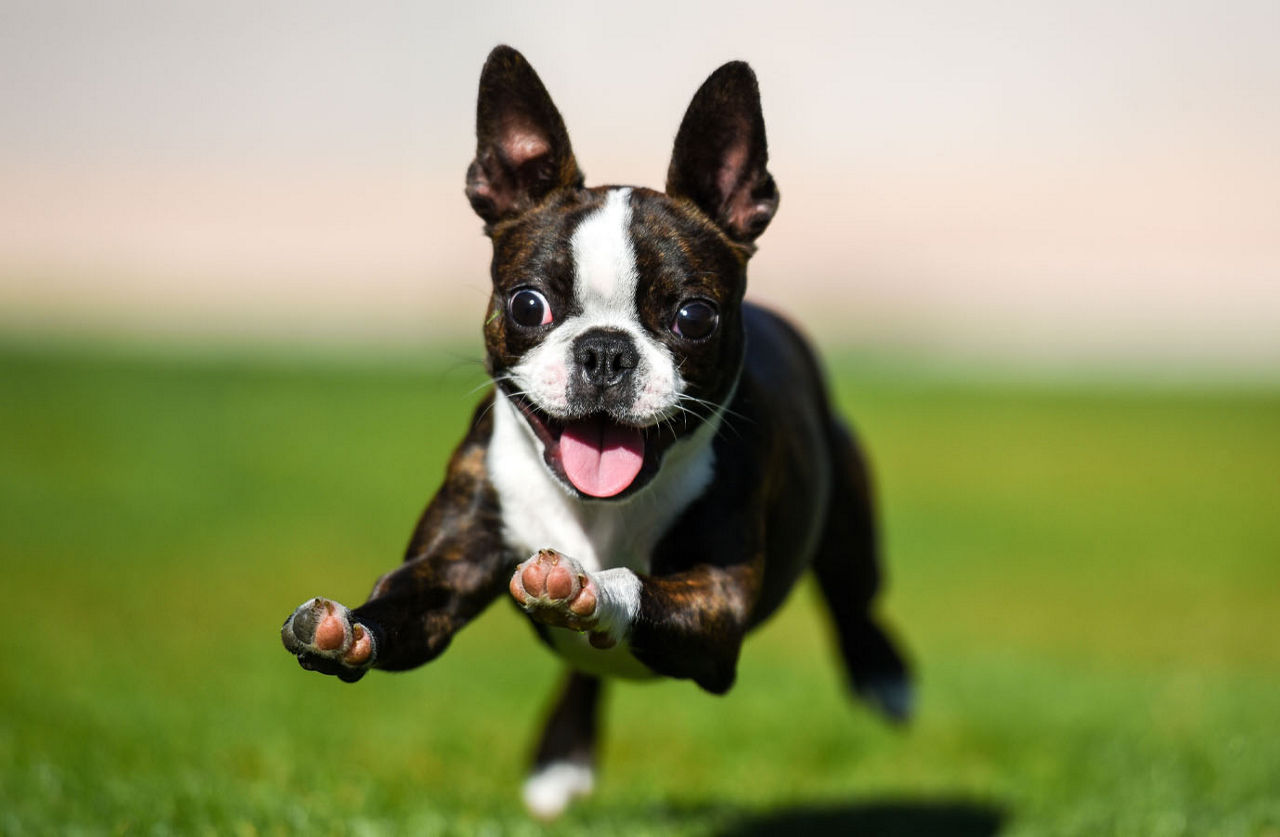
455	566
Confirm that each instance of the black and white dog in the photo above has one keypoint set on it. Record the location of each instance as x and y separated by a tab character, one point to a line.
658	462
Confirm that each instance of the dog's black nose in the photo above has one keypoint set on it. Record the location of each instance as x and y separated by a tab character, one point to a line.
605	357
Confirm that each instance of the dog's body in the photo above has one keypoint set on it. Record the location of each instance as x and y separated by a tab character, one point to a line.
663	450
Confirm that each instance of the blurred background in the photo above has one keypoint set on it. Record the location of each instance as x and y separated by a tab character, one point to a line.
240	302
1059	182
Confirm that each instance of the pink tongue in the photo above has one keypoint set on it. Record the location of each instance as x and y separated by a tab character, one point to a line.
601	458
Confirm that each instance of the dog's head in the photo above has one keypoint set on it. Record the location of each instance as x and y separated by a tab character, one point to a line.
615	325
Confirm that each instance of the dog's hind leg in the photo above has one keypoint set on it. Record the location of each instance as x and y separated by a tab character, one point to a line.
847	565
564	763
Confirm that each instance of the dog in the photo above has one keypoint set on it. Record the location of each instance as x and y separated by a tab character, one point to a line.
657	463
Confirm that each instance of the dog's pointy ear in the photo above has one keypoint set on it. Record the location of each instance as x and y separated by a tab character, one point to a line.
522	148
720	155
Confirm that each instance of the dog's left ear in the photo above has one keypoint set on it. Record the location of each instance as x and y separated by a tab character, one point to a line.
720	155
522	147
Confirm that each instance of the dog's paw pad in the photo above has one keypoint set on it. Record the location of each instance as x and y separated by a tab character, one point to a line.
330	632
361	649
324	638
554	589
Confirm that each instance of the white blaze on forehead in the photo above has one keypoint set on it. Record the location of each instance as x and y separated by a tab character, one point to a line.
605	283
604	261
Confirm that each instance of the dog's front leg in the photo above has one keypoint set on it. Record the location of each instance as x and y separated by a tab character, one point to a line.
688	624
455	566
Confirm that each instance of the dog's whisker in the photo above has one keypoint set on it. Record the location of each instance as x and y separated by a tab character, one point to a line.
478	387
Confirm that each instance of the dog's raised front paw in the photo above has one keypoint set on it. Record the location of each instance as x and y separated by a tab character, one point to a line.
555	590
324	637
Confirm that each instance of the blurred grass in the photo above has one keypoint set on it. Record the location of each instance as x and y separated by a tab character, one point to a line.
1086	575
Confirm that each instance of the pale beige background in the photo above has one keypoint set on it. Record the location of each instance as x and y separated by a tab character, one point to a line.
1093	181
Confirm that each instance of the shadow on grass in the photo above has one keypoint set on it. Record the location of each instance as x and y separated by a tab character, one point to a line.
888	819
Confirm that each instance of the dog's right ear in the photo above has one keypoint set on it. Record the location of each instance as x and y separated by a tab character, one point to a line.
522	147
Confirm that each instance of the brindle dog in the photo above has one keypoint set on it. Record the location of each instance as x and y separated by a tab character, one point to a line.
658	462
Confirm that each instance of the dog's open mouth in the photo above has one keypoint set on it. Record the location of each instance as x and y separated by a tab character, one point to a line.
598	456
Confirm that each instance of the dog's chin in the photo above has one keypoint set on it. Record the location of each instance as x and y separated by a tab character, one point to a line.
596	456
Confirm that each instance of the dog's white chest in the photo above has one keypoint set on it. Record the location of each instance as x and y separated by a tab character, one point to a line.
538	513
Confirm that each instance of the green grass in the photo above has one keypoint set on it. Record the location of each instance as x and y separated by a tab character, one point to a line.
1087	577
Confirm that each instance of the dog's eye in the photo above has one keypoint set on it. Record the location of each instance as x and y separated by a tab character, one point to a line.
696	319
529	308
